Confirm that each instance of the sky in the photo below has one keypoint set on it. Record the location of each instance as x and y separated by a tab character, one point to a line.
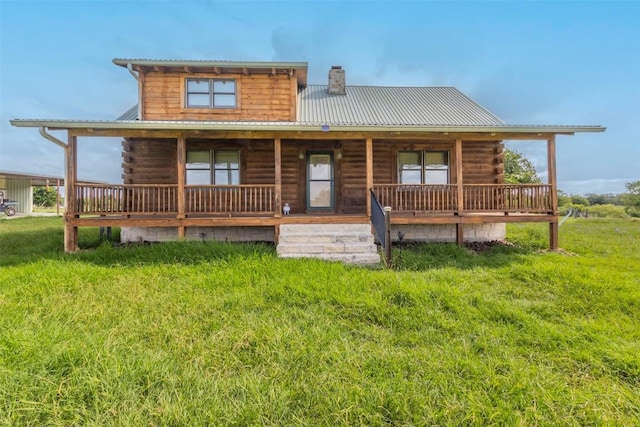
554	63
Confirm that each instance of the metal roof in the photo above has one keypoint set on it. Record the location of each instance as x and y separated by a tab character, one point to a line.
35	179
123	62
386	106
130	114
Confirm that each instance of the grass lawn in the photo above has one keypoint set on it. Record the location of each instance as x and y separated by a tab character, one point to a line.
224	334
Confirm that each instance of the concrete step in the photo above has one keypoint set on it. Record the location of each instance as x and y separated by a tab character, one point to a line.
348	243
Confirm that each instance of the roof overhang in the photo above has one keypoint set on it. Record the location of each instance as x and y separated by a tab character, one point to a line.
35	179
222	67
96	127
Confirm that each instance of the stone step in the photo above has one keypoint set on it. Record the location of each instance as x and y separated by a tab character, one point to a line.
359	259
325	228
326	238
348	243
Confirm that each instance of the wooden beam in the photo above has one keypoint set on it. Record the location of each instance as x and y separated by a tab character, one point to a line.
181	147
292	134
71	176
553	235
459	183
459	234
277	152
369	173
552	180
551	168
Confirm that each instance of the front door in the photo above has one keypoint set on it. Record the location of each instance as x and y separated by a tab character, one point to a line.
320	188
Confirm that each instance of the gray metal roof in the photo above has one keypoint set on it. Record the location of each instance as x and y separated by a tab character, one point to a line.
178	125
123	62
386	106
130	114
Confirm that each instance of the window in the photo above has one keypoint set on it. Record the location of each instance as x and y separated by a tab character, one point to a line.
218	167
423	167
210	93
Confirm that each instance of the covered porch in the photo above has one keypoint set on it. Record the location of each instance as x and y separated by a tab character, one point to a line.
366	160
361	169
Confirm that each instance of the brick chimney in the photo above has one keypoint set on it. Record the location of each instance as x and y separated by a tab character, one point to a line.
337	81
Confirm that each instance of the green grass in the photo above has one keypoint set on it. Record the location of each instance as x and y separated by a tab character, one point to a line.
225	334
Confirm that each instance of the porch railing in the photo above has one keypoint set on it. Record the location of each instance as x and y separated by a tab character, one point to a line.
417	198
130	199
250	199
525	198
142	199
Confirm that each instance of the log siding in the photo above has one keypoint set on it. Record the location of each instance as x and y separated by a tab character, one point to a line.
259	97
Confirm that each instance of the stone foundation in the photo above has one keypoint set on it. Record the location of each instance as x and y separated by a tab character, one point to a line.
223	234
447	232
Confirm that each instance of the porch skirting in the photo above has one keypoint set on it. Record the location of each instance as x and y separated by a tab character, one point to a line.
447	232
223	234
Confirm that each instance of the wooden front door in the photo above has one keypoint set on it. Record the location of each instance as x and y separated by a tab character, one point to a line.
320	182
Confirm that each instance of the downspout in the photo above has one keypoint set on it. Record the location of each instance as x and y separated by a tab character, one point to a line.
135	76
130	68
51	138
56	141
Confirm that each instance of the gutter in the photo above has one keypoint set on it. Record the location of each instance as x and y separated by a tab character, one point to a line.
289	126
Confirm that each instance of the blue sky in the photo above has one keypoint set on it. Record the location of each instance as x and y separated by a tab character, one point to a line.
528	62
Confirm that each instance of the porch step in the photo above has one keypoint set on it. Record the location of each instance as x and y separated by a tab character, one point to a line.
348	243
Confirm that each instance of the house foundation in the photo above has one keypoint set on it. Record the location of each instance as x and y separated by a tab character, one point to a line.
447	232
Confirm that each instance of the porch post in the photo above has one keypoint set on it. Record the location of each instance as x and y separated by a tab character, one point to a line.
459	191
181	158
552	180
277	154
70	178
369	172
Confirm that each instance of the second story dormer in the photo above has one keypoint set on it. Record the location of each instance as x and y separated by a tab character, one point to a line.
217	90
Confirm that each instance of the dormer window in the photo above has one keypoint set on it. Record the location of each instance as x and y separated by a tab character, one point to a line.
210	93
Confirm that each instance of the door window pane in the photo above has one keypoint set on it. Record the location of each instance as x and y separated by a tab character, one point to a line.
320	194
320	167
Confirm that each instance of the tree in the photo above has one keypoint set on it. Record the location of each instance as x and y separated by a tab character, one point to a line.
44	196
518	169
631	199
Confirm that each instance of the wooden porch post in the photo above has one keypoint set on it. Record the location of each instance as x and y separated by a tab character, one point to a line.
277	154
460	192
181	158
70	178
369	172
552	180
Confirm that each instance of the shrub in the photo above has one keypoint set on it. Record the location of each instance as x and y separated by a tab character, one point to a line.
607	211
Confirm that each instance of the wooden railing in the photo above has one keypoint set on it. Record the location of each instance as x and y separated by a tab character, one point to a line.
142	199
130	199
416	197
525	198
251	199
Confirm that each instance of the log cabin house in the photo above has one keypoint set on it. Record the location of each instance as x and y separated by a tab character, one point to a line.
248	151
